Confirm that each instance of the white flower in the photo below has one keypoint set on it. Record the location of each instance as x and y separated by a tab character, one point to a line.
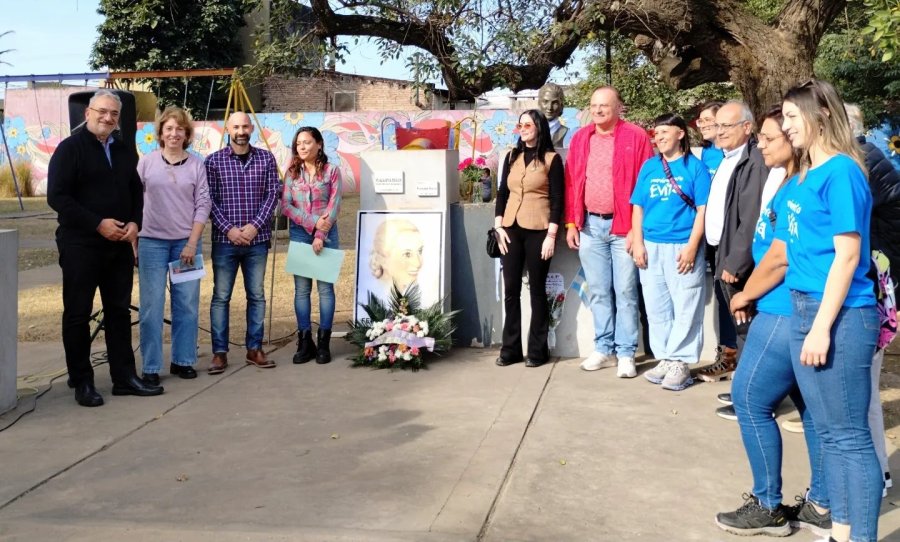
420	334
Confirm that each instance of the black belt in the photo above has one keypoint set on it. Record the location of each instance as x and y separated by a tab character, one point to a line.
607	216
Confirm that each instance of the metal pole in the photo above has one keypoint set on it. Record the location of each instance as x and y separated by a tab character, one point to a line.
12	168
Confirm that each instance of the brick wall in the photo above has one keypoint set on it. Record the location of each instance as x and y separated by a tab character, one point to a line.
313	93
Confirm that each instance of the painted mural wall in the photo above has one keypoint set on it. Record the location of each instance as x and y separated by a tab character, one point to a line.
34	130
36	121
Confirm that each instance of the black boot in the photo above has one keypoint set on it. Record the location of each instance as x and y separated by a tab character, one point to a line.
324	355
306	348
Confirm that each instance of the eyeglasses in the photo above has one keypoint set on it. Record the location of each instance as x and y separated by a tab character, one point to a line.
728	126
104	112
763	138
521	125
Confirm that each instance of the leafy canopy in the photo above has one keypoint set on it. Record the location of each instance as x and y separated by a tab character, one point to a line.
171	35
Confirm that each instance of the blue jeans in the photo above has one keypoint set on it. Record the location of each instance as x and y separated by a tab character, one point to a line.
252	262
154	256
837	395
611	277
674	303
764	377
303	285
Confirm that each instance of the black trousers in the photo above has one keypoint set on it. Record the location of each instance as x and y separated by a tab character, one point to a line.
525	254
109	267
724	292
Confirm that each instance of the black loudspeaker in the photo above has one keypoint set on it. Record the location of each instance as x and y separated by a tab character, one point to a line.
78	103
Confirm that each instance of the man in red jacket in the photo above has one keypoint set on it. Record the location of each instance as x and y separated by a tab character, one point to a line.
601	170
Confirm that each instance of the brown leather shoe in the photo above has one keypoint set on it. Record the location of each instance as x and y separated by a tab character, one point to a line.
219	363
258	358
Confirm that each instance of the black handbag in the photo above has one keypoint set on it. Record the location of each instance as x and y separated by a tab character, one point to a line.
493	248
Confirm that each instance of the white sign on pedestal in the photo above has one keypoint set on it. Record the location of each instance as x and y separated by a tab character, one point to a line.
388	182
427	189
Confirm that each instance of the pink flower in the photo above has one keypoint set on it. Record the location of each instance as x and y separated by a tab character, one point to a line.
389	326
464	164
414	351
404	326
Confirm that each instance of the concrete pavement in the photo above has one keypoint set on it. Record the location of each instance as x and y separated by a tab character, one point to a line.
464	450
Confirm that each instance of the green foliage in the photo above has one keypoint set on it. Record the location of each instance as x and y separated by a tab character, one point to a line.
637	80
882	32
171	35
766	10
872	84
286	45
23	177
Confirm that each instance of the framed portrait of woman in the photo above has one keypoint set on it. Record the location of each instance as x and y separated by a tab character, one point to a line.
399	248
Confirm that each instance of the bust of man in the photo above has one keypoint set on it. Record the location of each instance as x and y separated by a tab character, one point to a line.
551	101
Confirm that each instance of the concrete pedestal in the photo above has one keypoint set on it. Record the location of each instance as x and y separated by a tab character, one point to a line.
9	295
398	181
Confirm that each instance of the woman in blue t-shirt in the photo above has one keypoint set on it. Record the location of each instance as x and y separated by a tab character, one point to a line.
834	325
667	223
765	375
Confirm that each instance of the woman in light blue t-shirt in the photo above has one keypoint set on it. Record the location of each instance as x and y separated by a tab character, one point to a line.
667	224
765	375
824	241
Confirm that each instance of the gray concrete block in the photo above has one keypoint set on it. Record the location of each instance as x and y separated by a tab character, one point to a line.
9	285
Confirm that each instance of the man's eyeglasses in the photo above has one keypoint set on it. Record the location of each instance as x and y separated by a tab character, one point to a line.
728	126
104	112
521	125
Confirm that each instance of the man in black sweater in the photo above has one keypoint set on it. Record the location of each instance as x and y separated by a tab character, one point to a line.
93	185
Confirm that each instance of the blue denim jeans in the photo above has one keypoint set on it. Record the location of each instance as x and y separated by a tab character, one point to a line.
837	395
763	378
674	303
154	256
303	285
227	258
612	278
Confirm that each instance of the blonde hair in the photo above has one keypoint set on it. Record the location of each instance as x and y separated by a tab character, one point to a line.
182	117
392	227
821	108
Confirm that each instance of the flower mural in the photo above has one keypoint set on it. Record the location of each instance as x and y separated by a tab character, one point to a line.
146	138
346	135
16	134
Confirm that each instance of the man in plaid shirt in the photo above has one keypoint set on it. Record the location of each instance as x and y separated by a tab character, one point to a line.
244	187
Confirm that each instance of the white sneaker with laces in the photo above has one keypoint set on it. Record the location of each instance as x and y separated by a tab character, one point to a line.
678	377
598	361
626	368
659	372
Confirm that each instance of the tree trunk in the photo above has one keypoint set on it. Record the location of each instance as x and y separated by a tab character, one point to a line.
691	41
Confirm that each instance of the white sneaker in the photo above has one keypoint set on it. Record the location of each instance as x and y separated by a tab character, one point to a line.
626	368
598	361
793	425
678	377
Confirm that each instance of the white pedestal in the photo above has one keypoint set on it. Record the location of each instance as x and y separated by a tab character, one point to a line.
9	295
420	180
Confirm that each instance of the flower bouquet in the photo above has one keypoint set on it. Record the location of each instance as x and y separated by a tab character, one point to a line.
555	302
400	334
470	171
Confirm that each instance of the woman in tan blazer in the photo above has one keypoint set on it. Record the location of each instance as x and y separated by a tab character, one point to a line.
527	215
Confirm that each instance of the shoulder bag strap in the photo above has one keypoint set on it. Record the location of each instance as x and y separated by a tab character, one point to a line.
687	199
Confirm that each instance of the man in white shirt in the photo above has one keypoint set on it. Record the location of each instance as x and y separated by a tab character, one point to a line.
731	214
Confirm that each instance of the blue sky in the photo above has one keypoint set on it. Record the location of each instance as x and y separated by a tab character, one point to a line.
55	36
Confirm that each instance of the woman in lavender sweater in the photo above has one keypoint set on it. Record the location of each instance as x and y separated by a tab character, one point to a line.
176	208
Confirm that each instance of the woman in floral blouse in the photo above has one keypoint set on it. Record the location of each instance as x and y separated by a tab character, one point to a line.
312	201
